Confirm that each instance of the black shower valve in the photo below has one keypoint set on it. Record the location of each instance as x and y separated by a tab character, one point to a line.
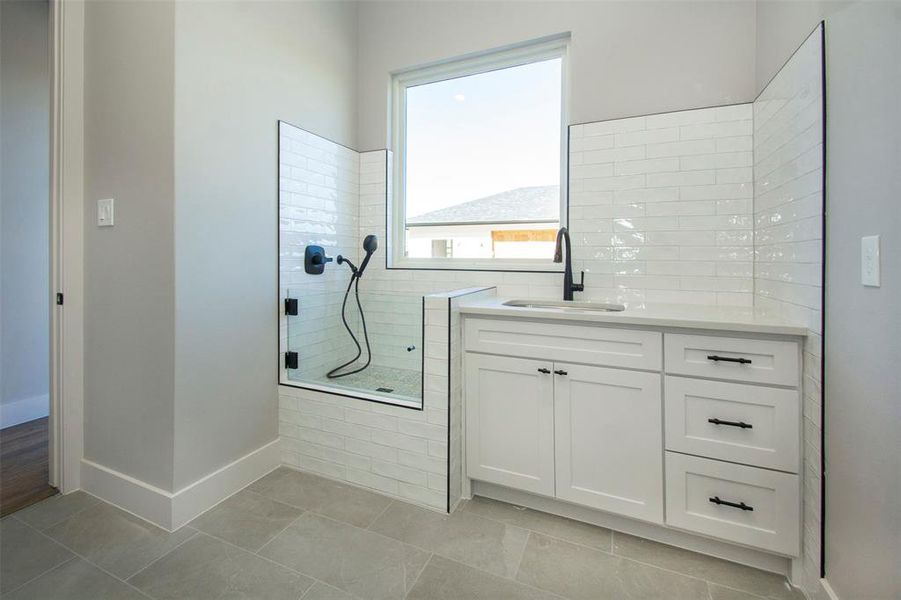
314	260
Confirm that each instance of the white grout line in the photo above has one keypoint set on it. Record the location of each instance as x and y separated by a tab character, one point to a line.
379	516
165	554
270	540
418	575
276	563
97	500
93	564
41	574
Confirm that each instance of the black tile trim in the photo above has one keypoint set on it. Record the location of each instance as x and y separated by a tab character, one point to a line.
822	28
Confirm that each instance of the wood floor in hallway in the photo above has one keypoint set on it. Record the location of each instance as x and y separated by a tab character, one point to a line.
24	466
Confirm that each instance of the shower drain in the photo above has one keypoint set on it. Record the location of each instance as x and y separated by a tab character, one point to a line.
384	389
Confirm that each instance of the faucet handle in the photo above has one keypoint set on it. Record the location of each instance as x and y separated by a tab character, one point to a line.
580	287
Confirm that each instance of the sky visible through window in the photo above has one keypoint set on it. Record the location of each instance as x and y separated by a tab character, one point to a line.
475	136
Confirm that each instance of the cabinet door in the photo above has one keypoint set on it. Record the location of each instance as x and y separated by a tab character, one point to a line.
609	441
510	422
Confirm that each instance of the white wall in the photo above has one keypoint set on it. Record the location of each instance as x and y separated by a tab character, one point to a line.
239	68
129	269
781	27
25	217
863	325
627	58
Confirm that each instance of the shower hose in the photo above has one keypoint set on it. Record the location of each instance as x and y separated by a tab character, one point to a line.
334	374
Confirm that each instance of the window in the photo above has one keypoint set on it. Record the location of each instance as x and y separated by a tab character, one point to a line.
479	160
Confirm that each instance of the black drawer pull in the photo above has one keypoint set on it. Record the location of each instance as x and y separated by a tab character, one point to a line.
741	424
560	372
741	505
543	370
741	361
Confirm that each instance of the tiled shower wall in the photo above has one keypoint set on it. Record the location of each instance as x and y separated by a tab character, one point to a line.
788	217
318	204
660	206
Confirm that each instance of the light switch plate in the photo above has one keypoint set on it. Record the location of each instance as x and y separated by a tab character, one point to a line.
869	260
105	213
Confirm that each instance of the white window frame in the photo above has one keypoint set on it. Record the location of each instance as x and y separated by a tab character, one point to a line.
473	64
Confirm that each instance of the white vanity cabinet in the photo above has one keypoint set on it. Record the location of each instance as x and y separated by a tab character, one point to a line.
583	433
510	421
608	440
696	432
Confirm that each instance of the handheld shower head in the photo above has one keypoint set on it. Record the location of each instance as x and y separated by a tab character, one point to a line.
370	245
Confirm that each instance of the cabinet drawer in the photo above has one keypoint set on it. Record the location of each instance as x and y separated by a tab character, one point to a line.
587	344
736	359
740	423
746	505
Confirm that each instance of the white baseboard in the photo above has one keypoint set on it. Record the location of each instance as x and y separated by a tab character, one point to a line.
205	493
172	510
24	410
131	495
828	589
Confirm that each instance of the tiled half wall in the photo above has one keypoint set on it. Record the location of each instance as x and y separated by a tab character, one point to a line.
788	259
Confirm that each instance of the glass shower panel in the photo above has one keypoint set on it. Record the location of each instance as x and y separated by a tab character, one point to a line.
322	343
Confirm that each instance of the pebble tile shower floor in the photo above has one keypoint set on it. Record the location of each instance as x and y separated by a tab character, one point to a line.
293	535
378	379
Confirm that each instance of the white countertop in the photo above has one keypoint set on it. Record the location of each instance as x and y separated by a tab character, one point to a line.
717	318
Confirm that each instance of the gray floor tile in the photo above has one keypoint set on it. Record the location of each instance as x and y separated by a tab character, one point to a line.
718	592
76	580
355	560
323	591
561	527
205	568
115	540
445	579
330	498
25	554
462	536
247	519
58	508
716	570
578	573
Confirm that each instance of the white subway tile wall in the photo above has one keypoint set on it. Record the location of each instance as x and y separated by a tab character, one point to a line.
661	207
788	219
318	204
333	197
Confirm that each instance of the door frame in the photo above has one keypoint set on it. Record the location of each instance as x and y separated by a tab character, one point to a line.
66	243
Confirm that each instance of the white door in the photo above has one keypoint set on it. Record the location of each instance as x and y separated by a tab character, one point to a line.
609	441
510	422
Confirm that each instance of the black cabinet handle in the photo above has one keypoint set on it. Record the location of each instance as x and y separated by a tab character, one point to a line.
741	505
741	361
741	424
560	372
543	370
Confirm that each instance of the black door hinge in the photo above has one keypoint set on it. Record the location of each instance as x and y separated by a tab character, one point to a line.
291	307
290	360
59	298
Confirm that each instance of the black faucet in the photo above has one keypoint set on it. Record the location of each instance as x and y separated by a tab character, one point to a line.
568	286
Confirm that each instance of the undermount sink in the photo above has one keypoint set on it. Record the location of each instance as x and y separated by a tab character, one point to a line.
567	305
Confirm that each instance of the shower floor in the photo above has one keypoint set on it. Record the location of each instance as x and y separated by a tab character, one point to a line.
386	381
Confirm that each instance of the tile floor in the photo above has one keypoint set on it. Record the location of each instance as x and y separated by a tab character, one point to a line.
295	535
